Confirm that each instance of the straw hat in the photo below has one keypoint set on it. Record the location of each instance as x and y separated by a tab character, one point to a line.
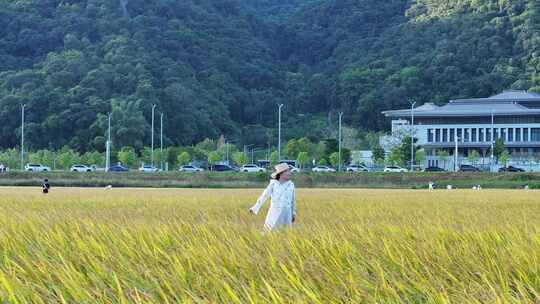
280	169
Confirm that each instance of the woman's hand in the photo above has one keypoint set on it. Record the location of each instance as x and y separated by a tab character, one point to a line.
251	211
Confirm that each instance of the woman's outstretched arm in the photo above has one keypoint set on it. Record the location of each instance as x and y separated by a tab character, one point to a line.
263	198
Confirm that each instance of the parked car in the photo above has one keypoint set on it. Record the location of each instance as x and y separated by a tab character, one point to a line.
190	168
36	168
357	168
118	168
148	169
468	168
224	168
323	169
433	169
251	168
394	169
511	169
294	169
81	168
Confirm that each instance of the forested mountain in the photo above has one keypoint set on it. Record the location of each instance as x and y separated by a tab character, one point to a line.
221	67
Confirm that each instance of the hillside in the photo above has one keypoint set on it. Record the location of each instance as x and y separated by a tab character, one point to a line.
220	67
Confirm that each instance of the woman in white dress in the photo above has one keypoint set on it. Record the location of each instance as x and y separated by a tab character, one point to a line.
282	210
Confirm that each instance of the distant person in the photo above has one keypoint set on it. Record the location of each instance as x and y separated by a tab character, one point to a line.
281	190
2	168
431	186
45	187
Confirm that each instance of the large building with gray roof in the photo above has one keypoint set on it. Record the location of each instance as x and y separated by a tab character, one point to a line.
474	124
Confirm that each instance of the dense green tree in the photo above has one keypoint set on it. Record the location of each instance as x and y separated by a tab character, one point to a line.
183	158
240	158
378	154
302	159
128	157
498	148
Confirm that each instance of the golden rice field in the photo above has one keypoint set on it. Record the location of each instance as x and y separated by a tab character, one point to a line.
202	246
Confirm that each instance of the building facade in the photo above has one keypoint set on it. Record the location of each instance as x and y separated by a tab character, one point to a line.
474	125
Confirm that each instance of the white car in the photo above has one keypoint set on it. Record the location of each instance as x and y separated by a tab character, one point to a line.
190	168
357	168
323	169
251	169
294	169
36	168
81	168
148	169
395	169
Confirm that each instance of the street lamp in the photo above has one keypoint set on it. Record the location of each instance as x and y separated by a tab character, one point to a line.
339	142
413	103
246	147
279	131
108	146
161	140
456	153
152	153
23	106
492	141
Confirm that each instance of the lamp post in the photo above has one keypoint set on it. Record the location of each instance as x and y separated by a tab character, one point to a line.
279	131
492	141
456	155
161	143
23	106
413	103
152	153
339	142
108	146
246	150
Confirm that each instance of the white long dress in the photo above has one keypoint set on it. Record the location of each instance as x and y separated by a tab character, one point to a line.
283	205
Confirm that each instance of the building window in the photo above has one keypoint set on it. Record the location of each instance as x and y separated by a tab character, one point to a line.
518	134
460	134
488	135
466	135
473	135
445	135
510	134
535	134
503	134
481	135
437	135
525	134
452	133
430	135
495	134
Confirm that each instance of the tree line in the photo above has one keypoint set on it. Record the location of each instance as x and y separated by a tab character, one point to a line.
205	153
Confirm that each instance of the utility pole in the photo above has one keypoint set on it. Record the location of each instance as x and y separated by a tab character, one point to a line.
279	132
227	151
413	103
492	141
161	148
456	153
108	147
152	153
23	106
339	142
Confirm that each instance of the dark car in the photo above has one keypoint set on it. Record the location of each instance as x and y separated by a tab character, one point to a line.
118	168
223	168
468	168
433	169
511	169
